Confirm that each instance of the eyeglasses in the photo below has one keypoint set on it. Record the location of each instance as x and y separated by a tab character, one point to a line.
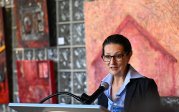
117	57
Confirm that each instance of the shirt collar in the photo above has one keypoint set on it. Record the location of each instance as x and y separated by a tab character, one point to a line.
131	74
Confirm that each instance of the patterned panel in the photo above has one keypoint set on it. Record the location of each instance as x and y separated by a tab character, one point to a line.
170	101
52	54
64	81
64	10
64	33
65	99
78	34
64	85
79	82
64	58
18	54
79	55
77	9
28	54
40	54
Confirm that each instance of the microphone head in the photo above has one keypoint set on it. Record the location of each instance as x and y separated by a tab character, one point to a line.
105	85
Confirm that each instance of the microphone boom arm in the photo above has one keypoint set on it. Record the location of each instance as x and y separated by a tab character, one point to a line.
61	93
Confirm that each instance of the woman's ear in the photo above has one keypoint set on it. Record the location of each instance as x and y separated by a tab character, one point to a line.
130	54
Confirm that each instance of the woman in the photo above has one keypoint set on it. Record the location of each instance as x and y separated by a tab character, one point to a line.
128	91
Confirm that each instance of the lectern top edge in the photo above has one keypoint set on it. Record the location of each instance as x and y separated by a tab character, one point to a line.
34	107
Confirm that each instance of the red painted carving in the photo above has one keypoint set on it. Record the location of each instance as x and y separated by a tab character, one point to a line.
36	81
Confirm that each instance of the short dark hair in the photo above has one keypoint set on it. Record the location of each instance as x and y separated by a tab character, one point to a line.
118	39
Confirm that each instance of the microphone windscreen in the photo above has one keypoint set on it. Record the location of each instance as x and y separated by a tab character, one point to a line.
105	85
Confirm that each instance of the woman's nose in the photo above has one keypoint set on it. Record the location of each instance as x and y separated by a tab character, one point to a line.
113	60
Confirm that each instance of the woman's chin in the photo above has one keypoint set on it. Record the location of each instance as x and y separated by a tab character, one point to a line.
114	72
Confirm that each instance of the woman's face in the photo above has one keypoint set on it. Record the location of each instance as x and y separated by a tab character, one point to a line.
115	59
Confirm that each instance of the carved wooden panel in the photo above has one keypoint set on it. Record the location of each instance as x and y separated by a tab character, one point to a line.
32	23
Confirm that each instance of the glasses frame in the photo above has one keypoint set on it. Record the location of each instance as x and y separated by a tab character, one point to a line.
114	56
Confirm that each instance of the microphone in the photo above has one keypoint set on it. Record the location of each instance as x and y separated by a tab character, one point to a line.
90	99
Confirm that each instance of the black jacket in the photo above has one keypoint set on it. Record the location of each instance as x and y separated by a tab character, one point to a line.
141	96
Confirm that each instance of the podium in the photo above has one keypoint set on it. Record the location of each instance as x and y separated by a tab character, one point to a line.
33	107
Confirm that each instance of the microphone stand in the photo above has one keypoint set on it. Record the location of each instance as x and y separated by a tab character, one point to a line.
61	93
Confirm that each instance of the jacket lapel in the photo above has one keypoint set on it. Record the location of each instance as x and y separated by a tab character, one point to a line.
129	94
